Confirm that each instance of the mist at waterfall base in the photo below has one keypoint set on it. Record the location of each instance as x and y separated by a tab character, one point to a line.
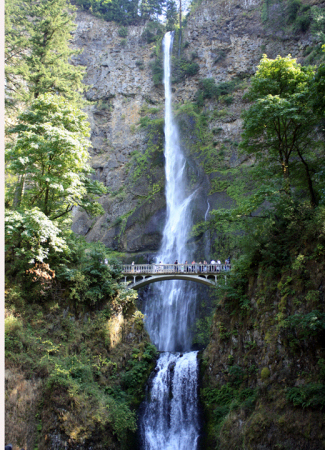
170	418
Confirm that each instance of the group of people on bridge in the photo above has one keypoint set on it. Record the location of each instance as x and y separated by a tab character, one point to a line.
193	267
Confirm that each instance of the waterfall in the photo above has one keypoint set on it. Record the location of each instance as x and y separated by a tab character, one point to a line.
170	308
170	413
172	424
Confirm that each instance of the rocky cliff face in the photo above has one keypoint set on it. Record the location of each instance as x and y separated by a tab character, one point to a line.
262	381
226	40
120	90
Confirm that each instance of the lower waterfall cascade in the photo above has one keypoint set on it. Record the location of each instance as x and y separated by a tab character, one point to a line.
170	419
172	424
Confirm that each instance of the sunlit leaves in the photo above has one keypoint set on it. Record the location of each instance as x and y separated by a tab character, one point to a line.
30	235
50	157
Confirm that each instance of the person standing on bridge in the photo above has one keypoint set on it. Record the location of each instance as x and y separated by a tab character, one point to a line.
186	266
132	269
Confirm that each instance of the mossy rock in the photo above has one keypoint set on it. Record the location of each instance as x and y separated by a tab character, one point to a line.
265	373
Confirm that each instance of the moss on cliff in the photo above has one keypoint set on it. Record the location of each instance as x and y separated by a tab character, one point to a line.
263	370
88	372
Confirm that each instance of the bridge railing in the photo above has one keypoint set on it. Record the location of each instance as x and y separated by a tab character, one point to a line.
174	268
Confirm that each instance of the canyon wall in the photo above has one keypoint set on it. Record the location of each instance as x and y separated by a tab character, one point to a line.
226	40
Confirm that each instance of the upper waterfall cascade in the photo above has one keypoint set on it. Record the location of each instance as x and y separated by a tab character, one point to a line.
170	418
171	316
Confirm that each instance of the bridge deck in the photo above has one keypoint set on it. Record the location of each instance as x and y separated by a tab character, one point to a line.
184	269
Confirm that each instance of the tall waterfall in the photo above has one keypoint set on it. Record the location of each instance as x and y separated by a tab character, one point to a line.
170	312
170	417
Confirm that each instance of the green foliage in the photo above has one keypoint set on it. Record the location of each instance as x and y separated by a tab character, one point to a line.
38	50
202	331
235	375
73	357
96	278
126	12
220	401
283	120
292	10
306	325
153	32
309	396
30	237
171	15
50	157
208	89
318	24
138	370
123	32
16	44
182	68
140	64
265	373
154	146
298	15
157	71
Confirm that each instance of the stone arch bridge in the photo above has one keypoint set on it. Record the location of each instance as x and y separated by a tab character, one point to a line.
139	275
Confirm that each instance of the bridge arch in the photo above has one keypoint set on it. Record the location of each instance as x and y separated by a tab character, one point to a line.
138	281
139	275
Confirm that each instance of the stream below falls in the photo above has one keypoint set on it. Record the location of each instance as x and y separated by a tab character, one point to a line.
170	419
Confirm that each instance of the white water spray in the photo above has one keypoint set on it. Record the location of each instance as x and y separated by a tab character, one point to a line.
172	424
170	311
170	419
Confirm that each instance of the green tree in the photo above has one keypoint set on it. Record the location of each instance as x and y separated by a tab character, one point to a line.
16	44
30	236
171	15
50	158
281	124
94	277
318	24
38	48
151	9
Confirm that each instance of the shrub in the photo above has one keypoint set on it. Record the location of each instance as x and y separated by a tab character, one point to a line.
192	69
306	325
292	10
209	89
152	32
157	71
229	100
12	325
265	373
312	395
123	32
302	23
140	64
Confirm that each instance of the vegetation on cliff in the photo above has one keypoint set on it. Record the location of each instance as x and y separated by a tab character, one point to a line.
132	12
267	381
37	51
77	355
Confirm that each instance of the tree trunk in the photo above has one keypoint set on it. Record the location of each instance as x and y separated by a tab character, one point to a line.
285	171
46	201
309	181
19	192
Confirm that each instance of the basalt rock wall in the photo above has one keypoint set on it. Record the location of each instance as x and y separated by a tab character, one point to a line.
226	39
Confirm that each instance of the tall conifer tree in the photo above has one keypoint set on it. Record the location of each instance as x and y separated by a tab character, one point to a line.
40	32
